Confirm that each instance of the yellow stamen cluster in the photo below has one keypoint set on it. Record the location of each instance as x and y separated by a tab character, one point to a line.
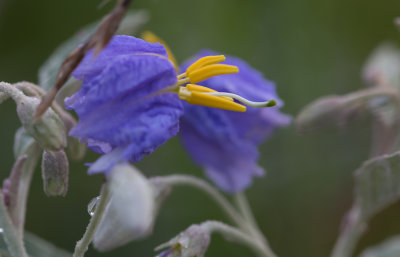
195	94
203	69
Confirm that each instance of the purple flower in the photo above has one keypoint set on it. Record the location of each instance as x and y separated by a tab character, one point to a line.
226	143
121	113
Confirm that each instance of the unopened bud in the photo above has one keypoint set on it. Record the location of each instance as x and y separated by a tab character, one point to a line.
324	111
49	130
193	242
383	66
55	172
129	214
397	22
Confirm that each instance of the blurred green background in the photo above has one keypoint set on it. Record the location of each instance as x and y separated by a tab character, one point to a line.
310	48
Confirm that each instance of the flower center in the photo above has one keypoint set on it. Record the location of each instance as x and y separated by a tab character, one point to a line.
202	69
207	67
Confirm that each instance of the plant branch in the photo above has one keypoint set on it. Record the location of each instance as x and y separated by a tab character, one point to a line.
235	234
245	209
83	244
214	194
350	234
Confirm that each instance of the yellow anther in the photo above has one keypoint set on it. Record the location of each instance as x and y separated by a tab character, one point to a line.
200	98
210	71
152	38
197	88
201	89
204	61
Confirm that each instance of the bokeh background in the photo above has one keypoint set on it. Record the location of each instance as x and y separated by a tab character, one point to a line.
310	48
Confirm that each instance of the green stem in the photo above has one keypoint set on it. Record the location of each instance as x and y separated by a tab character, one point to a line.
10	234
244	207
243	223
214	194
237	235
83	244
251	224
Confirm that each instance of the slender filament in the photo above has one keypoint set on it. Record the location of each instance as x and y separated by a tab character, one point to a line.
245	101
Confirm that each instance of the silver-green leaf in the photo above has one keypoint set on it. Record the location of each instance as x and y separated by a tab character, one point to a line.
36	247
377	184
389	248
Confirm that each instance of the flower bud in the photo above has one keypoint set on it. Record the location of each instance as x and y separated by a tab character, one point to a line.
324	111
49	130
383	66
129	214
193	242
55	171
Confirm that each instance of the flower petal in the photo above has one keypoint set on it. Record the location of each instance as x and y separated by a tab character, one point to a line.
118	46
224	142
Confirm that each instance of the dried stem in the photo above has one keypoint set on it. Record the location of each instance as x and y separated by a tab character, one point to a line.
98	41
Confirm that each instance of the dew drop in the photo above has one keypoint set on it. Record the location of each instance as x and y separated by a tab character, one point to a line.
1	230
92	205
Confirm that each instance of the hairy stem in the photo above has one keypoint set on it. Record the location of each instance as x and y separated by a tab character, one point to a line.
19	212
237	235
83	244
8	90
249	226
351	232
11	236
214	194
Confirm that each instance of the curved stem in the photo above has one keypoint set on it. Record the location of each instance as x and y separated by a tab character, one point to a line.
188	180
244	207
83	244
350	234
234	234
11	236
19	212
9	90
252	226
242	222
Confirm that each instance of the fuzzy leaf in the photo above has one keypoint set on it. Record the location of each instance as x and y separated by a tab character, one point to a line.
389	248
377	184
36	247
